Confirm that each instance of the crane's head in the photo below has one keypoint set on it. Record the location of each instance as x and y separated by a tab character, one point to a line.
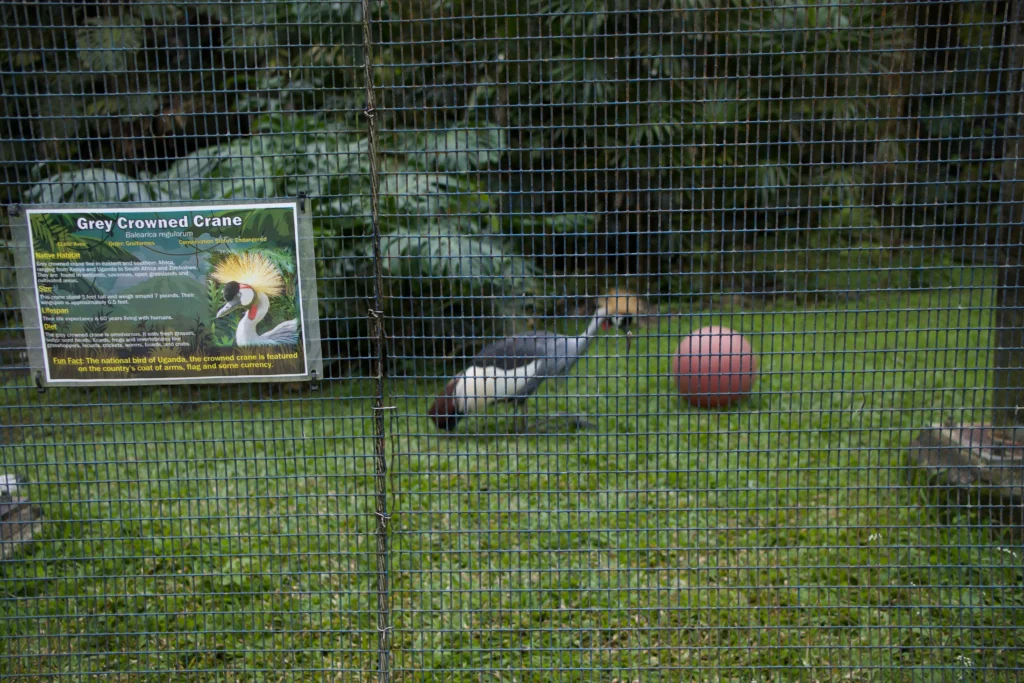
236	296
244	276
608	321
445	410
619	309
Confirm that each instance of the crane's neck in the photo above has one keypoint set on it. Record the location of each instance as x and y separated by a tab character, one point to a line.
246	332
578	345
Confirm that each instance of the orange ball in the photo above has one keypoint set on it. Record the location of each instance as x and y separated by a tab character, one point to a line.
714	367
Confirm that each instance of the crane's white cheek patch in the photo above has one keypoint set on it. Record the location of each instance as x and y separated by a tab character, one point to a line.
482	385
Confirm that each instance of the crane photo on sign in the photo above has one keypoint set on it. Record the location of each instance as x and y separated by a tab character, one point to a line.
252	282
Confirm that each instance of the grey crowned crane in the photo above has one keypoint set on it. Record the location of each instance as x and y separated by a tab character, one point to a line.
511	370
249	280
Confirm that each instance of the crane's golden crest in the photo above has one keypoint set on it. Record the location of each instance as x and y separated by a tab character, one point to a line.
619	302
250	269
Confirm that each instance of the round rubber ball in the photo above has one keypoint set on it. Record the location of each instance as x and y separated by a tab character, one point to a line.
714	367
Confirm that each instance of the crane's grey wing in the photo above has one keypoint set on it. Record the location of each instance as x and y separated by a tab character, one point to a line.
285	334
519	351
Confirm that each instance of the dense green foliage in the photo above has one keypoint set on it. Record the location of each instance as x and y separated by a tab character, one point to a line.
569	137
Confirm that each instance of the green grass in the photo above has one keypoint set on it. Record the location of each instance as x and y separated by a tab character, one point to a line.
781	539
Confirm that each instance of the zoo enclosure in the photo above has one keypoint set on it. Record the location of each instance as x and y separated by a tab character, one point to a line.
838	181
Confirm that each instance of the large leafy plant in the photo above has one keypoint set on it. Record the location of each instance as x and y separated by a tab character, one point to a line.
132	86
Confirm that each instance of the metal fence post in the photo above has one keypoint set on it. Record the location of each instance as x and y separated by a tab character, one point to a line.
377	334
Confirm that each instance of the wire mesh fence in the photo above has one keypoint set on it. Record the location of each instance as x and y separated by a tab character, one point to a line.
663	340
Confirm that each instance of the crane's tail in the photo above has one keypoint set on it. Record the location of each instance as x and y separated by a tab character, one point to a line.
285	334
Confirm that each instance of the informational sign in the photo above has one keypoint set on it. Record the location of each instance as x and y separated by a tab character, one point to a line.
169	294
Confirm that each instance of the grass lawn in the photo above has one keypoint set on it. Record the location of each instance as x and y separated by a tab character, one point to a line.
782	539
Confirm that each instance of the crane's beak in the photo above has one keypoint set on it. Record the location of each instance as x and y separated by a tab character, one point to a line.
228	307
629	340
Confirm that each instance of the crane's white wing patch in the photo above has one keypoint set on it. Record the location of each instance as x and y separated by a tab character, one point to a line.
480	386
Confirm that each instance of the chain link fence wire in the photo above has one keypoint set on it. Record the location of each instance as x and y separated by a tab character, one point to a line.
839	183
